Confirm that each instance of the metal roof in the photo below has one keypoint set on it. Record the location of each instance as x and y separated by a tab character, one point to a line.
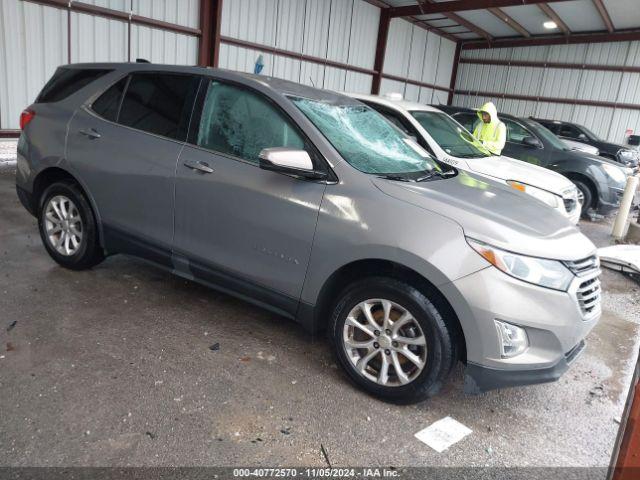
514	20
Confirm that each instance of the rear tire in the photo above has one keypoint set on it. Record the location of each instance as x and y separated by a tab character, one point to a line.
68	227
363	349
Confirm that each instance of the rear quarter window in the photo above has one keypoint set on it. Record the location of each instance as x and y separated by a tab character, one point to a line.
67	81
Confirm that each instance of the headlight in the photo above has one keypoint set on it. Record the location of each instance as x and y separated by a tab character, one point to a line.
615	173
626	154
539	271
542	195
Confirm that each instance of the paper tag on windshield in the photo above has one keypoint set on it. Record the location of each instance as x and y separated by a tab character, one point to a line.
417	148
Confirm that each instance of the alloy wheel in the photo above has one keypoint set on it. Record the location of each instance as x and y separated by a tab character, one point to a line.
384	342
63	225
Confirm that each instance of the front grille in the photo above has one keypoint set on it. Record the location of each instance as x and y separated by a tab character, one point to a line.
570	199
589	295
584	266
588	291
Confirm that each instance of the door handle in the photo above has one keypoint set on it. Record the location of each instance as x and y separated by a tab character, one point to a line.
200	166
92	134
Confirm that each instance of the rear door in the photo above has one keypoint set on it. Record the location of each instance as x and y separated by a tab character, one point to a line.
238	226
124	146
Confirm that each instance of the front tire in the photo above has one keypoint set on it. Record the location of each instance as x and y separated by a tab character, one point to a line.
391	340
584	192
68	227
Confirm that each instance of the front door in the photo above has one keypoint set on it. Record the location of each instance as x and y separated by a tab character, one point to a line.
124	147
516	148
238	226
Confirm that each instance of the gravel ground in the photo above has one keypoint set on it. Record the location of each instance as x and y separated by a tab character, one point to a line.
113	367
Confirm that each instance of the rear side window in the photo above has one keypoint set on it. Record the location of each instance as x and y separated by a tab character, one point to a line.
67	81
108	104
159	103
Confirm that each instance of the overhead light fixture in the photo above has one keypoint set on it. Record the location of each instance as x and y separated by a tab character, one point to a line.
550	25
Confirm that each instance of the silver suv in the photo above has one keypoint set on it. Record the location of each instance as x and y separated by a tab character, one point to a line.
310	204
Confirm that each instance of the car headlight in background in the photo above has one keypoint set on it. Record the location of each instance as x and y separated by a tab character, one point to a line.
538	271
547	197
615	173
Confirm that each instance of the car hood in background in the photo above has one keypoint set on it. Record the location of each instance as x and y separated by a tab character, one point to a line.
495	214
583	147
507	168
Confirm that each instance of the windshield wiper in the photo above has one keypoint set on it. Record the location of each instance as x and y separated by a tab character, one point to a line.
399	178
436	173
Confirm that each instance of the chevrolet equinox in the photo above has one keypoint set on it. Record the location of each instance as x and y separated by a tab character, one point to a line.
310	204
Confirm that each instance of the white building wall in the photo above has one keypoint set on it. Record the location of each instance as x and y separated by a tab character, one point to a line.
34	42
343	31
421	56
566	84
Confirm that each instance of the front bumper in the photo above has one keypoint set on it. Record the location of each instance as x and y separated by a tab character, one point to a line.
555	323
609	199
479	379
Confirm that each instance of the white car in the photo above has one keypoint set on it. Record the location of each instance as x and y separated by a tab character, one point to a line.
582	147
450	143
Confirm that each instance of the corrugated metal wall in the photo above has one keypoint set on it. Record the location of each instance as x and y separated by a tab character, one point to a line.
416	54
33	42
610	122
342	31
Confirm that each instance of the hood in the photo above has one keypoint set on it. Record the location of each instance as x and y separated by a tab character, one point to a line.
495	214
506	168
491	109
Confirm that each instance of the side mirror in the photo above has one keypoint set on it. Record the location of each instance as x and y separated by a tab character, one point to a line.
532	142
290	162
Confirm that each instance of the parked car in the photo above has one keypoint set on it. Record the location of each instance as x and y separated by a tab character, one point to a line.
623	154
450	143
312	205
600	181
582	147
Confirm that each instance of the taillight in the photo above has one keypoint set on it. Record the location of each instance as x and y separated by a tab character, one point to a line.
25	117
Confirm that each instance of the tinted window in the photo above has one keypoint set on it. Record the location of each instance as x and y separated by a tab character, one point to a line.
467	120
67	81
516	133
553	127
159	103
241	123
569	131
108	104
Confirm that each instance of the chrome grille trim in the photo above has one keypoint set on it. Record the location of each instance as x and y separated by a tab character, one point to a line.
584	266
588	294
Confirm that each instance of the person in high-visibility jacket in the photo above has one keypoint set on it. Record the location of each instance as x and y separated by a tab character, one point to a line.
491	132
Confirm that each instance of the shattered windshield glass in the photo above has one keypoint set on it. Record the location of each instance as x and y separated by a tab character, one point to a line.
365	139
450	135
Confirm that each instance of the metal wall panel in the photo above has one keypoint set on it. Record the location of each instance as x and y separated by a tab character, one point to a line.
181	12
33	42
343	31
161	46
96	39
570	84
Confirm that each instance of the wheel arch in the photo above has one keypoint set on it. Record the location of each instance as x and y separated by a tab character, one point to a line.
51	175
358	269
589	183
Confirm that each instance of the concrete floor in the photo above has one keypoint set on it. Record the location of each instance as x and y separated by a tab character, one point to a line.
113	367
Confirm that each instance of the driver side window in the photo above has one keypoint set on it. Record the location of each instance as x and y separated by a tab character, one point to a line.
516	133
239	122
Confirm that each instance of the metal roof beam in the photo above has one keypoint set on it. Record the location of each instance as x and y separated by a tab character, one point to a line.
555	17
510	21
602	10
454	6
